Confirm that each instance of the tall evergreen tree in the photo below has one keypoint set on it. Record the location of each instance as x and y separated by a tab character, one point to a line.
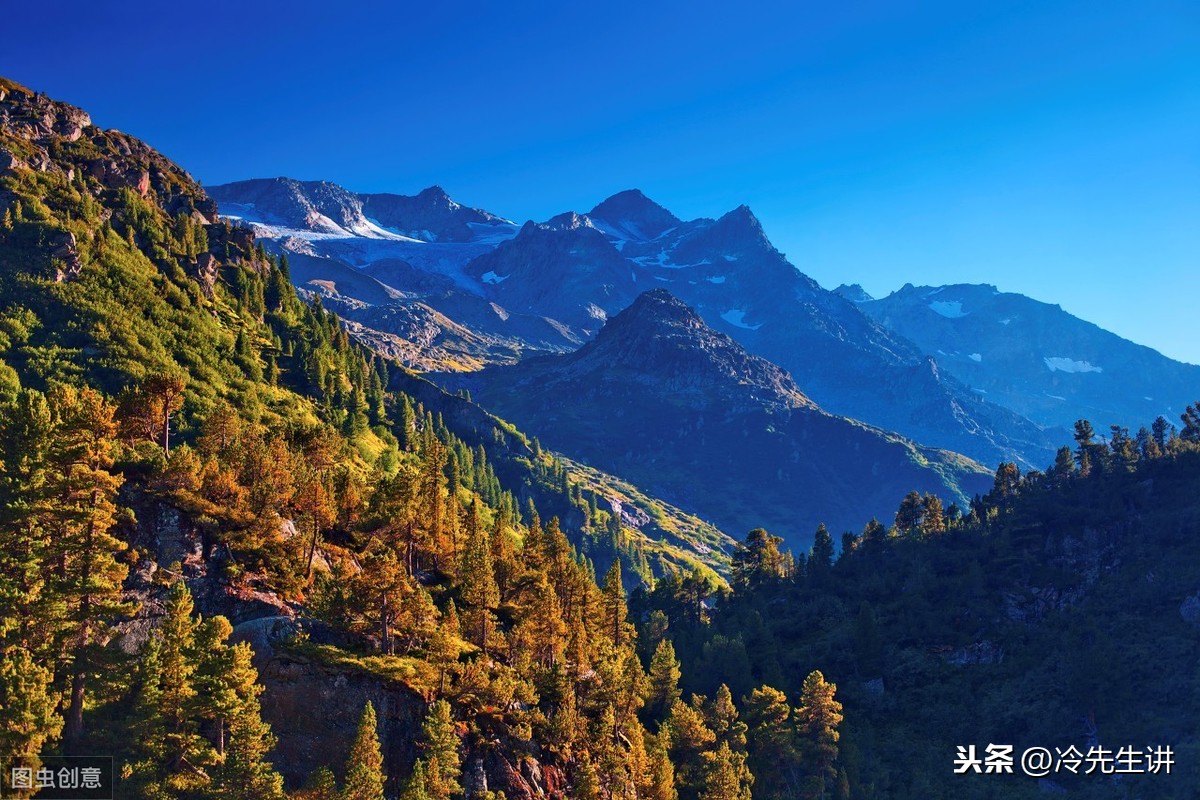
440	743
663	685
364	764
817	721
89	576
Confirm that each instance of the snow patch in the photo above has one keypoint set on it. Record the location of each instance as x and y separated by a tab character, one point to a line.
1060	364
1054	396
716	279
951	309
976	357
493	278
737	318
1006	321
730	258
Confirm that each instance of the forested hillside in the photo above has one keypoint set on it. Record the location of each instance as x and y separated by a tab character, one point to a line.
1061	609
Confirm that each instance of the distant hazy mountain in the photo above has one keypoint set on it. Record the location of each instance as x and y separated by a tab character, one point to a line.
662	399
1037	359
562	278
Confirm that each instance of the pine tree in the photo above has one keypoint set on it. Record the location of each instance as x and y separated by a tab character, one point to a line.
820	559
479	591
1064	465
417	786
616	612
817	720
246	774
440	743
1084	436
149	408
29	616
90	579
727	777
587	782
933	520
723	719
322	785
690	739
663	682
661	773
177	667
910	513
174	753
29	720
364	764
774	758
758	560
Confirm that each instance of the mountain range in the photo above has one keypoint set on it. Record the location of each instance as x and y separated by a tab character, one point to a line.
548	287
1034	357
686	412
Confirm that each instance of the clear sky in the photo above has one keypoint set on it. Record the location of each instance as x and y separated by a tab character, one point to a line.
1051	148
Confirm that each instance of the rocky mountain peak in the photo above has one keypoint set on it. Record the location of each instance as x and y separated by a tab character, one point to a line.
741	221
657	308
633	213
45	135
436	195
661	335
854	292
569	221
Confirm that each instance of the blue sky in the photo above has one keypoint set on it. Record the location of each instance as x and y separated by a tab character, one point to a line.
1050	148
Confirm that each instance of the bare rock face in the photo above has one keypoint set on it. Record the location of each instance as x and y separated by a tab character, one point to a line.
10	163
65	252
207	268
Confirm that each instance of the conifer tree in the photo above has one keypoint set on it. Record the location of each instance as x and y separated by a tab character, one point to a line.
177	667
440	743
820	559
28	614
587	782
723	719
322	785
663	682
661	772
29	720
246	774
817	720
479	591
616	612
364	764
416	788
727	777
774	758
690	738
757	560
933	520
